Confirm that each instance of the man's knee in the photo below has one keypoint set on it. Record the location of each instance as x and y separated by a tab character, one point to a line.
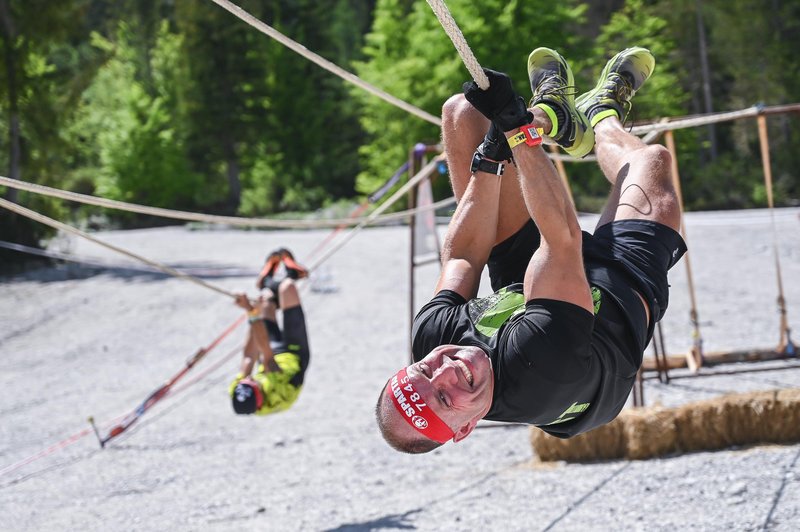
458	110
663	194
453	107
288	294
659	163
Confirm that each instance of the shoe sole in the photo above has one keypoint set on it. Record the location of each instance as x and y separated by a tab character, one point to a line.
611	65
558	57
587	130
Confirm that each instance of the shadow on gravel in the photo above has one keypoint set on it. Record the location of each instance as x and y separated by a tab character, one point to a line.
54	467
787	471
396	521
585	496
71	272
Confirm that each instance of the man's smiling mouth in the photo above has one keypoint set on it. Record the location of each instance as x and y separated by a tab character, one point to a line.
465	370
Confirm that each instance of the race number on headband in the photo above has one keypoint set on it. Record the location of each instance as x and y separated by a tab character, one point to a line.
416	413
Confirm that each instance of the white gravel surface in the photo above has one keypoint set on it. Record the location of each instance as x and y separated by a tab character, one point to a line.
78	341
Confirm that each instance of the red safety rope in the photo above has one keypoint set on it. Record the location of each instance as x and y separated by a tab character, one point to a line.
148	403
164	389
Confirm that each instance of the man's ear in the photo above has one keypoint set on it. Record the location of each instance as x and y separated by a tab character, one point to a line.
464	431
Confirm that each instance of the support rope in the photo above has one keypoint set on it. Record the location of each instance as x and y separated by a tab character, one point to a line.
463	49
422	174
171	214
69	229
69	440
324	63
165	388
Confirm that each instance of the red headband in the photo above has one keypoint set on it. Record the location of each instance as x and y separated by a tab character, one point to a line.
256	389
409	403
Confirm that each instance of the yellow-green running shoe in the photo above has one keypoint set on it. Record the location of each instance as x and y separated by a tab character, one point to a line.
553	87
623	75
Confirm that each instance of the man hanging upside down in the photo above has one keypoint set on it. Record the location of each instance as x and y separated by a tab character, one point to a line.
559	343
280	356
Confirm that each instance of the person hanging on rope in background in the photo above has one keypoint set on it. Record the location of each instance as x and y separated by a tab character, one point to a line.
280	357
560	341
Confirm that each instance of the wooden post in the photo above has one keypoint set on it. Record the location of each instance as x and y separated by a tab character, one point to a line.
694	358
784	343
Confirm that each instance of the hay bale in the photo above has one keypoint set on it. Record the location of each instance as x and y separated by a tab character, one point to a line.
738	419
734	419
702	425
788	406
648	432
603	443
748	416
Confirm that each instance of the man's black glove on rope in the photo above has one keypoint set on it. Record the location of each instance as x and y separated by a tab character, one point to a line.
499	103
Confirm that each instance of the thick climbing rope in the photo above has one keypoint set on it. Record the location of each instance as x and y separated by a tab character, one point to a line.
69	229
454	32
324	63
424	173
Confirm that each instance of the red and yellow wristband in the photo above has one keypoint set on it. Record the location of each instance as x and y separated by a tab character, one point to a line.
529	134
253	315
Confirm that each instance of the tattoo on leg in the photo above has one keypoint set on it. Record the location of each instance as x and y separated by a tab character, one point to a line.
643	207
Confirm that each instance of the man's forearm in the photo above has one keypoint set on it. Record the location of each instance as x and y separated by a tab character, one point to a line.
546	196
473	229
261	339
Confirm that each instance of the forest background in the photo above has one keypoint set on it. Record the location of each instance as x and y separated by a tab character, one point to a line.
178	104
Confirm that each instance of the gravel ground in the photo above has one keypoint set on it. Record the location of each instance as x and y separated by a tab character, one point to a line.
79	341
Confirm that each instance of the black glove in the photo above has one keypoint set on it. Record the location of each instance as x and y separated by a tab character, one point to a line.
495	146
499	103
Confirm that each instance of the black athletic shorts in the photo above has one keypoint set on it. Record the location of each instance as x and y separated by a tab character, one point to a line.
292	339
646	250
509	259
641	251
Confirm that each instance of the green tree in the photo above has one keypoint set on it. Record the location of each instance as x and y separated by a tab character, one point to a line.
409	55
37	84
636	23
739	75
312	104
130	138
226	99
766	74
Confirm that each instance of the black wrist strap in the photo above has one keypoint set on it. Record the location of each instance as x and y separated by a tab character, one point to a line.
481	164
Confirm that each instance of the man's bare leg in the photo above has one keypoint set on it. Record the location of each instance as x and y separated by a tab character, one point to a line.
287	295
640	175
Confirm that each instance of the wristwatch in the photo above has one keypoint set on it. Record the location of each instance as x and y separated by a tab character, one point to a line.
482	164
